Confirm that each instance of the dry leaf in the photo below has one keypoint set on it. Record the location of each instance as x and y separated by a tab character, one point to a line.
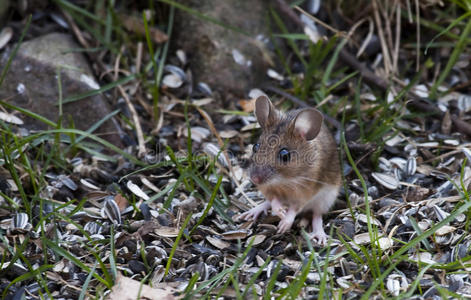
129	289
247	105
121	202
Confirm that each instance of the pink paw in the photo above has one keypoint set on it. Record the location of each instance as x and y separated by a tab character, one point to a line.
287	221
277	209
284	225
318	234
319	238
253	213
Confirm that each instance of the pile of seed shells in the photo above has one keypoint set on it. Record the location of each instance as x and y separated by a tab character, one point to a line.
419	180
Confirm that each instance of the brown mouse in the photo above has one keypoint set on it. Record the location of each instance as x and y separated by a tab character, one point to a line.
295	164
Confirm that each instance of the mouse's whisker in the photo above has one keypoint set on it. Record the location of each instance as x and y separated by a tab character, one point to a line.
303	179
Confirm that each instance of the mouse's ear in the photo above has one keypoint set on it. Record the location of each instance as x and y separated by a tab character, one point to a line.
265	111
308	123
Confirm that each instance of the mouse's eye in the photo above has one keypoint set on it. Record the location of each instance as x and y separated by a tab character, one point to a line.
284	155
255	147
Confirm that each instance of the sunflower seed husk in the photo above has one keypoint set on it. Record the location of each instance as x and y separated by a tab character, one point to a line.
257	239
393	286
218	243
67	182
198	134
240	59
5	36
181	56
411	166
467	152
255	93
235	234
9	118
19	221
386	180
111	210
464	102
441	215
204	89
446	229
167	231
274	74
93	227
172	81
214	151
137	190
88	185
175	71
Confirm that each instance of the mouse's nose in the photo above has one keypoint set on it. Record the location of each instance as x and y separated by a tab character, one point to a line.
257	179
259	175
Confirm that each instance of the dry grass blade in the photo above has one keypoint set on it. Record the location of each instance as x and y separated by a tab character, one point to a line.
137	124
384	47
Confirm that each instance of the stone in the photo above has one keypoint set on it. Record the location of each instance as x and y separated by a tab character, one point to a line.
32	83
226	60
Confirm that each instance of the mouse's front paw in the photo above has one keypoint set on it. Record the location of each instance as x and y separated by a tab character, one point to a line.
287	221
284	225
277	209
253	213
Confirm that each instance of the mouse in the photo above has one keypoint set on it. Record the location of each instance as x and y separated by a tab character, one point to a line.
295	165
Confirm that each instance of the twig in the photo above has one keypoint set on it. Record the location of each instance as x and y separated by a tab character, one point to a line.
425	106
286	95
409	11
367	39
387	25
344	55
327	26
382	39
398	36
461	126
460	86
417	11
135	118
368	75
75	29
138	57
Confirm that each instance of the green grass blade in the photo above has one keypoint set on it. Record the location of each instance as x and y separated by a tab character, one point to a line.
209	205
101	90
255	276
29	114
419	232
62	252
78	9
92	129
331	64
175	244
272	282
453	58
204	17
191	285
453	24
84	290
372	233
414	284
27	276
466	205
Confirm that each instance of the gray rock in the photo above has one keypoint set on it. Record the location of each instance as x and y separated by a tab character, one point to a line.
32	83
236	59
